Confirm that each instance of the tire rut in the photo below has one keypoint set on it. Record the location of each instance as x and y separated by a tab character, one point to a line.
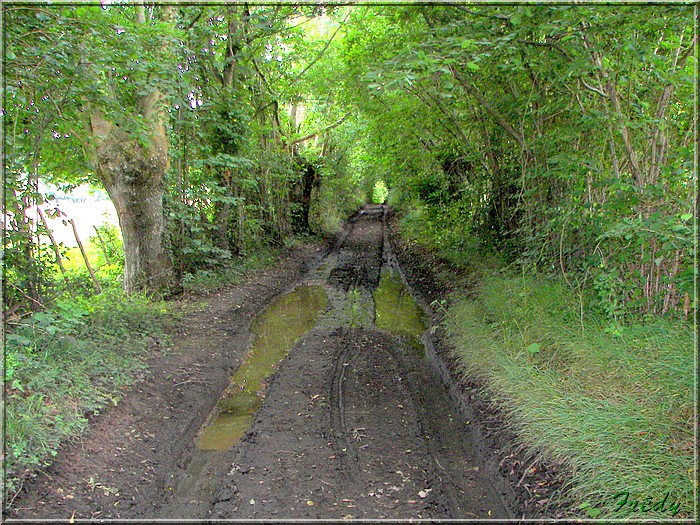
338	429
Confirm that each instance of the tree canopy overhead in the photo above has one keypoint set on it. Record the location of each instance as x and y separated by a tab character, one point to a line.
558	135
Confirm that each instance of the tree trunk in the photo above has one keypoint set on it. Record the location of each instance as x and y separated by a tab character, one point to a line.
222	215
130	160
309	179
133	174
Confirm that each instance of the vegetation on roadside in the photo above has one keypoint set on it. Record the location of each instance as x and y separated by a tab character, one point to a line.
616	409
66	364
613	405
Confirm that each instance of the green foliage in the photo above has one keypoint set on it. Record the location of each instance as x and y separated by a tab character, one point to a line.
206	281
66	364
562	132
108	242
27	267
556	138
380	192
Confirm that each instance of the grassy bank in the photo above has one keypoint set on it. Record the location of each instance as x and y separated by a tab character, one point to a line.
613	405
617	410
66	364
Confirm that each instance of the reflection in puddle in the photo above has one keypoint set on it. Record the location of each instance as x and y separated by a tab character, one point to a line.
395	309
277	329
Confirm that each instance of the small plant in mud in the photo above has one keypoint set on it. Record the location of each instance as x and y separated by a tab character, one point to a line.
357	434
354	297
93	484
440	306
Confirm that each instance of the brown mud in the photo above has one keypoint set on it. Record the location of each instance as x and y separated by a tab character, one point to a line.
354	421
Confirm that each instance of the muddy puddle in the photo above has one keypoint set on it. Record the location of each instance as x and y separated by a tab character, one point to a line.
356	424
276	331
395	309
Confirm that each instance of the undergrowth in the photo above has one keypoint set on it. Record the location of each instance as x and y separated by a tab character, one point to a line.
81	353
66	364
614	405
207	281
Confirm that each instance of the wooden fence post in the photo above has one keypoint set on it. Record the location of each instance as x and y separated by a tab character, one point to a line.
59	259
85	258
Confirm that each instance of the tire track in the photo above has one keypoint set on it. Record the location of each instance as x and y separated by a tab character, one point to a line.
337	411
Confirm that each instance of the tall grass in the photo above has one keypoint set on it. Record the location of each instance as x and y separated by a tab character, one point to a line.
617	409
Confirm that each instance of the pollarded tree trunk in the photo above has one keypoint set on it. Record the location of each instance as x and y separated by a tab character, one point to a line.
129	153
133	175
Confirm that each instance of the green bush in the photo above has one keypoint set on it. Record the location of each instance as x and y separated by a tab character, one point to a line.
205	281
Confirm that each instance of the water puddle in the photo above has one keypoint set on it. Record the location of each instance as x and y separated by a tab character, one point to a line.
395	309
277	329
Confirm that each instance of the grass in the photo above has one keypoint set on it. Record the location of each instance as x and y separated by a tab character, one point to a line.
66	364
80	355
617	411
613	405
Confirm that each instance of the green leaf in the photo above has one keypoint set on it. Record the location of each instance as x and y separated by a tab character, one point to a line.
20	339
473	66
534	348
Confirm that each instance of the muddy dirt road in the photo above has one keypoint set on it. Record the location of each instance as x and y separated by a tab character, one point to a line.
332	408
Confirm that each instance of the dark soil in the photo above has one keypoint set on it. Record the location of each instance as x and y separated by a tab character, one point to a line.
124	465
355	424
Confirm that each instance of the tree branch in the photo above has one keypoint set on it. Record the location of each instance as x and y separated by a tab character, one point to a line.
681	60
599	91
323	51
491	111
320	132
612	96
552	45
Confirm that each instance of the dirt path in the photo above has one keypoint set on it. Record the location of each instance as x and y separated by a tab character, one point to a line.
354	423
